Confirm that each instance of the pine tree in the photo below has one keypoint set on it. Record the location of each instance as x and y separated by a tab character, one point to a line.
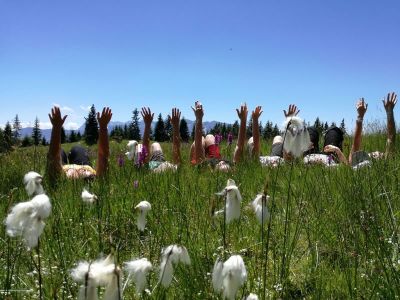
16	129
249	130
63	136
44	142
168	129
91	127
2	147
134	130
8	137
275	131
343	127
36	132
267	133
333	124
326	126
78	136
184	130
192	134
159	130
125	133
72	137
26	141
235	128
318	125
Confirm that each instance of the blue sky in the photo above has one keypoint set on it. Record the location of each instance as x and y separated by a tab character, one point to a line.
322	55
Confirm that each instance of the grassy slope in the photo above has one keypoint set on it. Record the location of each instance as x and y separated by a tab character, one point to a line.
333	232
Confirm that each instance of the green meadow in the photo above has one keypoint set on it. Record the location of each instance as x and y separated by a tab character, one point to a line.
333	233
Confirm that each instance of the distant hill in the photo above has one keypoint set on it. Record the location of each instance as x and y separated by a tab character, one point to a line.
27	131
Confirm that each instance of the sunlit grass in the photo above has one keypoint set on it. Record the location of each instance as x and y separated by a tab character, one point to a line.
333	232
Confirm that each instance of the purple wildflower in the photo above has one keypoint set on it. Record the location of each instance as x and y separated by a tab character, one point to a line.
218	138
230	138
142	156
121	161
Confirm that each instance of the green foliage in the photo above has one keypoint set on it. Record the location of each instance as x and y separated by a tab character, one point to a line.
36	132
184	130
8	137
159	130
91	127
333	233
16	129
134	130
27	141
72	137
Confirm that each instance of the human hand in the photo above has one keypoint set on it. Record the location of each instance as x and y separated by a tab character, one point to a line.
242	113
331	149
55	117
390	101
292	111
198	110
255	114
147	116
175	117
361	107
104	118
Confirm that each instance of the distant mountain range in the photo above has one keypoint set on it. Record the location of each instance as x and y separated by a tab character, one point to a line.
27	131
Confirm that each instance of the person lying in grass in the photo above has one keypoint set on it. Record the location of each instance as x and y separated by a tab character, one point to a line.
156	159
205	150
358	157
77	163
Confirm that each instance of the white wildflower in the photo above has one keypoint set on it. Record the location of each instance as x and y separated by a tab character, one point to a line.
88	197
260	207
26	219
143	207
33	183
252	296
132	149
233	200
172	254
139	269
297	138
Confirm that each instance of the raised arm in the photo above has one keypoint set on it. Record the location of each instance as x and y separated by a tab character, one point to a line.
361	107
255	114
147	119
54	166
103	151
338	152
176	137
389	105
198	134
242	114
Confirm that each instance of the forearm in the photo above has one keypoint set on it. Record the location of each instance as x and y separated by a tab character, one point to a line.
198	152
357	138
103	152
240	143
146	139
54	167
256	138
391	132
176	145
341	157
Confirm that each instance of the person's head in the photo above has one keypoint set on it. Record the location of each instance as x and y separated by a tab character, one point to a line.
334	137
209	140
314	138
277	146
155	147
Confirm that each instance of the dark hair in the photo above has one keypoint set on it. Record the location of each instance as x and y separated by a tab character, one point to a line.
334	136
314	138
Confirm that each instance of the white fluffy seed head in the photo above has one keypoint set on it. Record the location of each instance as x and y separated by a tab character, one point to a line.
139	269
217	278
260	208
26	219
234	275
143	207
33	183
132	147
252	296
297	138
88	197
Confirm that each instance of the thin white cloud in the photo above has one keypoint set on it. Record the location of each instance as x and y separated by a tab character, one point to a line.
85	108
71	126
64	108
45	125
